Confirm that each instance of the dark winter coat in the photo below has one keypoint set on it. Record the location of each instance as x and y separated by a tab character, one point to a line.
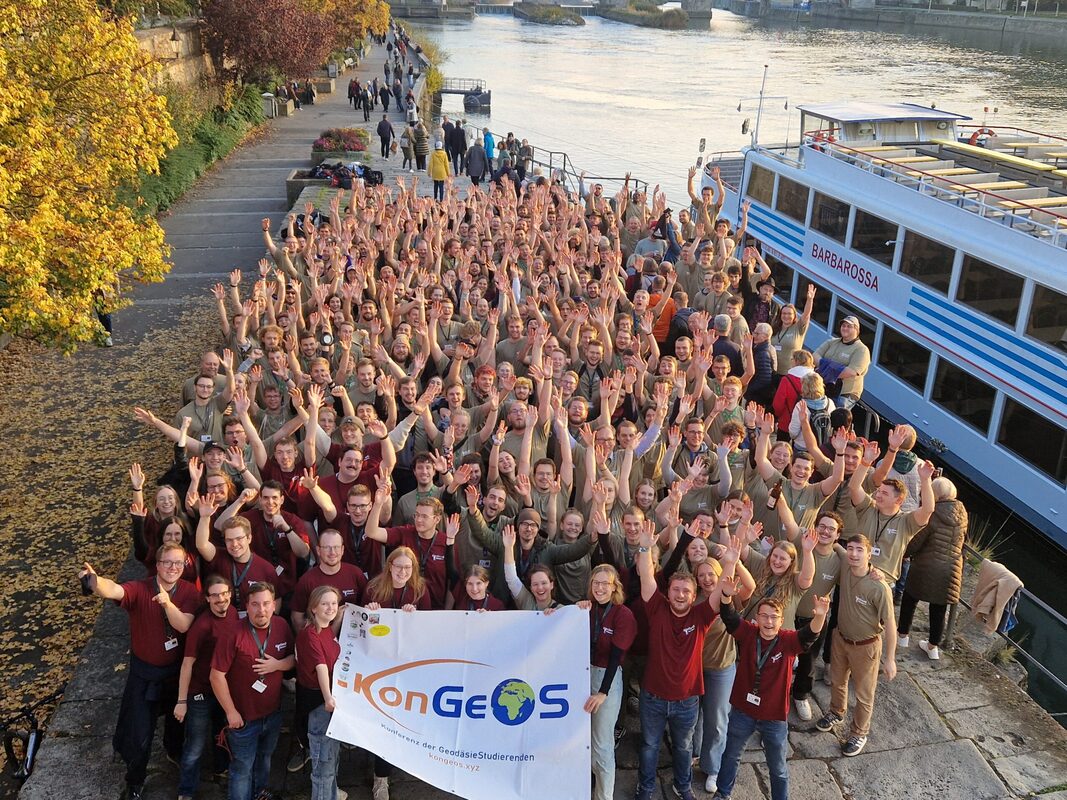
937	555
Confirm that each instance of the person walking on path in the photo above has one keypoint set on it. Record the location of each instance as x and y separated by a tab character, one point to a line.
383	93
407	147
477	162
458	145
365	103
385	133
440	170
936	567
422	146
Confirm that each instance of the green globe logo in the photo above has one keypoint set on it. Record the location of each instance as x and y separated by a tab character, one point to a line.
512	701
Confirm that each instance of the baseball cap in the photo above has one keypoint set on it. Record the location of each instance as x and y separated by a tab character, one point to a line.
212	445
851	320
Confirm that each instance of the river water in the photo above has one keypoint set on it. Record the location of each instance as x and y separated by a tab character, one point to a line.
619	98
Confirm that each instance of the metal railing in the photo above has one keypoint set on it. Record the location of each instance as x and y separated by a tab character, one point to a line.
463	85
983	202
1017	644
558	163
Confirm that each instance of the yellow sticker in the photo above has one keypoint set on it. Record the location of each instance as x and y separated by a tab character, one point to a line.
379	630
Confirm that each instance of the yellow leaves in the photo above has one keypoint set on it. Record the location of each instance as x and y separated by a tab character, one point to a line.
78	118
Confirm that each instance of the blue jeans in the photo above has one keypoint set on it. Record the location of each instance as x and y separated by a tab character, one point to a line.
198	729
251	747
656	715
774	733
603	730
325	753
710	738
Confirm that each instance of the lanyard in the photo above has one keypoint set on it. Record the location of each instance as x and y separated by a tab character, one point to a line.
885	524
761	658
403	594
205	420
471	601
599	620
524	564
238	580
167	629
261	646
424	557
357	542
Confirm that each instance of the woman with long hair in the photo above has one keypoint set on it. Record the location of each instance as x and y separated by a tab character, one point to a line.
781	575
317	650
612	629
473	593
789	329
539	596
170	530
399	585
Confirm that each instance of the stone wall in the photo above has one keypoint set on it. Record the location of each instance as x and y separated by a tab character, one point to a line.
179	48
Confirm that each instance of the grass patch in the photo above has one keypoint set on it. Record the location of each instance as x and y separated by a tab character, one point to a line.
648	15
986	540
548	15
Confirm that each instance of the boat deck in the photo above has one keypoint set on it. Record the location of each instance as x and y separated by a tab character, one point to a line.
1028	194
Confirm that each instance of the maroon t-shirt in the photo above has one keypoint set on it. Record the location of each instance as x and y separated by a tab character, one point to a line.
431	554
360	550
242	576
675	669
400	598
273	545
152	639
348	579
297	499
313	649
338	492
235	654
464	602
615	627
775	678
200	644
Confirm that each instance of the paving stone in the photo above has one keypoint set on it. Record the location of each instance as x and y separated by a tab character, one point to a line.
100	672
998	731
946	771
808	780
84	717
950	690
753	752
1033	772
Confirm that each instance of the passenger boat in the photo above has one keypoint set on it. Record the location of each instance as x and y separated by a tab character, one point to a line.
948	240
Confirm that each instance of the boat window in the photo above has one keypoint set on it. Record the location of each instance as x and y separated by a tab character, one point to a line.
1034	438
989	289
829	216
962	394
1048	317
867	324
792	199
874	236
927	261
761	185
783	277
820	310
907	360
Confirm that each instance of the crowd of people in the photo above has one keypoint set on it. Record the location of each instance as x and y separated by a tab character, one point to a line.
517	399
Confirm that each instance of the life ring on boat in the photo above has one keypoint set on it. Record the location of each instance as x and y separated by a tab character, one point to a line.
821	136
979	133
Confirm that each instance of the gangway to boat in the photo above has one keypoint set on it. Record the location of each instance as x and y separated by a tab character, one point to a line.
477	98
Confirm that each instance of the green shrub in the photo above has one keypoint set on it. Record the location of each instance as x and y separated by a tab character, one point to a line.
210	123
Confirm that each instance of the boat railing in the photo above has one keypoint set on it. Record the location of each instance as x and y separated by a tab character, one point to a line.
1030	611
983	202
731	164
1013	132
558	163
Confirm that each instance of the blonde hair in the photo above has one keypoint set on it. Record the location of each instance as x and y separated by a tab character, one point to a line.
380	588
944	489
812	386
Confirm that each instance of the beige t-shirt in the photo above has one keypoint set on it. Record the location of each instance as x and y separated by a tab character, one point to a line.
827	571
889	536
864	607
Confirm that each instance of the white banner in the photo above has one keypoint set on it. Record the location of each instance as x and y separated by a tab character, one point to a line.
484	705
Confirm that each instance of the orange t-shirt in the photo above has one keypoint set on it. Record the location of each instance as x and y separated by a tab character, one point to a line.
662	325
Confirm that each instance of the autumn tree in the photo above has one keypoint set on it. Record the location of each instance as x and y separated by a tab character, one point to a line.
352	20
255	39
78	120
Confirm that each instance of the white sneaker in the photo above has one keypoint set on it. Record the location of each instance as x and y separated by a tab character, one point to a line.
930	650
108	341
803	706
380	790
711	783
341	794
903	641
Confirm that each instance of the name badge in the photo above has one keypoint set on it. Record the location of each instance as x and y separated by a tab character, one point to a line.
198	697
754	699
259	686
279	569
876	551
205	437
485	562
170	644
778	347
242	614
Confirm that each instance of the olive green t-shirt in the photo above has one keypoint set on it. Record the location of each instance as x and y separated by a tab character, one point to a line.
889	536
865	605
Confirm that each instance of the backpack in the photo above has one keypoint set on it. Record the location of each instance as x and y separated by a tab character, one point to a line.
820	425
785	400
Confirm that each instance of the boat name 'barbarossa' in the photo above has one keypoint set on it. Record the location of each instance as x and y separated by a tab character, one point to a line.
862	276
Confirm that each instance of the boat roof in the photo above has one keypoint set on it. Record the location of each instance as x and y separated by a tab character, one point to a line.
863	111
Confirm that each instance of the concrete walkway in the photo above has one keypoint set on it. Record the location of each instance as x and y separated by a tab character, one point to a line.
954	730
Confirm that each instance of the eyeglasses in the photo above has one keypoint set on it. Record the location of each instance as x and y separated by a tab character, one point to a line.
335	548
603	584
219	595
172	564
769	617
